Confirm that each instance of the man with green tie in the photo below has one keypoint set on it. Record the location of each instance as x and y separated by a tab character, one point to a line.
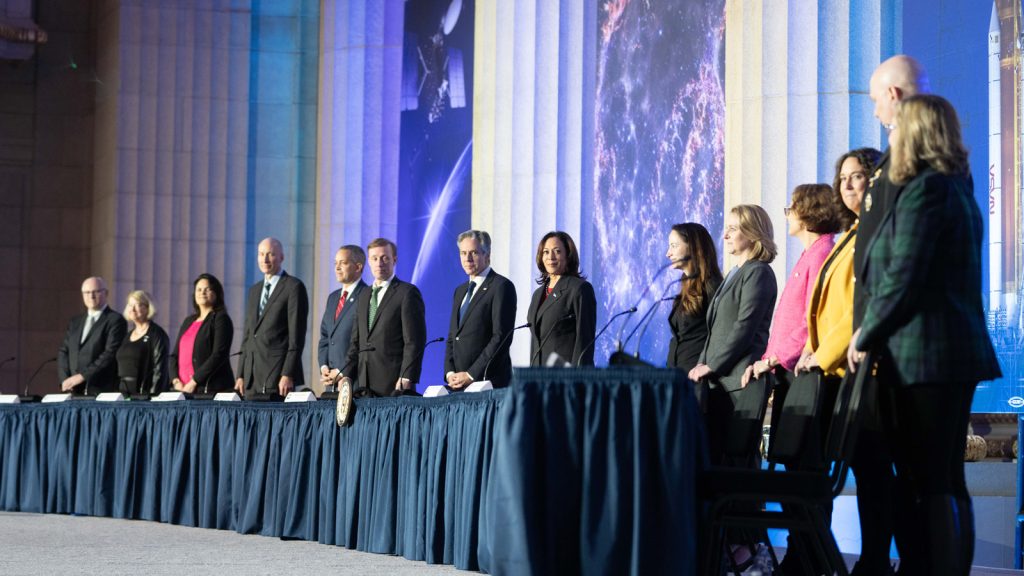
386	352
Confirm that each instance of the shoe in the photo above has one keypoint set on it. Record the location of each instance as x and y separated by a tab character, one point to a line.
742	556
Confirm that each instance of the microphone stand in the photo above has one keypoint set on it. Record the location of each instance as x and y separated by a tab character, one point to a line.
648	313
206	394
618	337
26	397
333	394
412	391
264	396
664	298
536	355
603	328
5	362
501	344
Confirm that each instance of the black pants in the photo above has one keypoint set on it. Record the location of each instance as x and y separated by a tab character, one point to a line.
807	454
926	426
876	487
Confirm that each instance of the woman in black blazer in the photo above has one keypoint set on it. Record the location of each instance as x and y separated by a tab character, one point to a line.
204	341
692	251
563	311
142	357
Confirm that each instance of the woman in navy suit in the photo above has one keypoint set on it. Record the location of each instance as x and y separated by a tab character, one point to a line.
201	351
563	311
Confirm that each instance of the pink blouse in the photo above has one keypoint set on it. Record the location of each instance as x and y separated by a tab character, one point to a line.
188	341
788	334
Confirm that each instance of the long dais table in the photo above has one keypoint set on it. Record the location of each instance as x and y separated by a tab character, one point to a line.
569	471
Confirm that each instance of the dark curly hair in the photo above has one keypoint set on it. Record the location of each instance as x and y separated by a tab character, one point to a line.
868	158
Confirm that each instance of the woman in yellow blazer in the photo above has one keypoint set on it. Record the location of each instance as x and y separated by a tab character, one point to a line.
829	329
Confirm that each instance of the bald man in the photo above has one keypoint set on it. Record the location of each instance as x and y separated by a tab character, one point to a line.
274	336
86	360
895	79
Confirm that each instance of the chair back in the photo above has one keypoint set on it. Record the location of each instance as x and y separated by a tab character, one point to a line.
743	440
796	414
855	391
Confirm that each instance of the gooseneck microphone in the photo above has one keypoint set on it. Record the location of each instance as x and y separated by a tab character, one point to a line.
36	373
419	356
547	335
206	385
650	311
603	328
664	298
501	345
348	365
4	363
619	345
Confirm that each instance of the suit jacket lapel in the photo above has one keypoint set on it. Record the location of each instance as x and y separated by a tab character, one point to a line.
550	299
478	295
93	330
273	297
349	304
388	297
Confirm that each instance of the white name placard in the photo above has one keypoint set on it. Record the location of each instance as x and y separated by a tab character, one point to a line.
435	391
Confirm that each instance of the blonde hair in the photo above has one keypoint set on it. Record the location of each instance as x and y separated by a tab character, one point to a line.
142	297
757	227
929	137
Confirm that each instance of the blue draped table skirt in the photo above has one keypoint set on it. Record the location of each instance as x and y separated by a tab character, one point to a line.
584	471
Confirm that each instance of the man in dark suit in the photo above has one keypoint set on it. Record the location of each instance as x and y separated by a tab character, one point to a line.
275	328
483	313
386	351
86	362
340	313
895	79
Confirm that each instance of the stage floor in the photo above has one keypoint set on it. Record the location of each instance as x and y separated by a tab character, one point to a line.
45	544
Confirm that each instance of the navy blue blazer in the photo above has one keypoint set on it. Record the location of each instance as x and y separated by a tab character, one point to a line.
335	336
479	344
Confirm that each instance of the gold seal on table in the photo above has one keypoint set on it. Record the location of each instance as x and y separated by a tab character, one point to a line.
343	411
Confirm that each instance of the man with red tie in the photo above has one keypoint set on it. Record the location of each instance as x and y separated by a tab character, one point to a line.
340	313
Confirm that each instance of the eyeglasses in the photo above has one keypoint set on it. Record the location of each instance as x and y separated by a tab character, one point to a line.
93	292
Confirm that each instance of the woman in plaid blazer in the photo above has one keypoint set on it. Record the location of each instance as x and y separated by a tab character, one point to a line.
924	316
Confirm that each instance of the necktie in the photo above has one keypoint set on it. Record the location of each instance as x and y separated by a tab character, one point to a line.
373	305
89	321
266	296
341	304
465	302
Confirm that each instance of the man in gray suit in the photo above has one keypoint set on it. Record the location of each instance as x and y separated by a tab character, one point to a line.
340	313
275	328
86	362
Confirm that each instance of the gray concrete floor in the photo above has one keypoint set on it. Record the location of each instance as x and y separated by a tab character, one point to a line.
46	544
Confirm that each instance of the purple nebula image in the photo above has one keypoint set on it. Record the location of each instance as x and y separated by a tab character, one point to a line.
659	150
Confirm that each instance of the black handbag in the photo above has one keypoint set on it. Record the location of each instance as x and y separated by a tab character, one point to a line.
797	435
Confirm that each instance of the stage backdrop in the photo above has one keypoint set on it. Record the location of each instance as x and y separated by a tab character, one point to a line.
613	120
435	159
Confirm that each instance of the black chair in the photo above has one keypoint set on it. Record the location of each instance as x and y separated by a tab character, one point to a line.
735	496
740	450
